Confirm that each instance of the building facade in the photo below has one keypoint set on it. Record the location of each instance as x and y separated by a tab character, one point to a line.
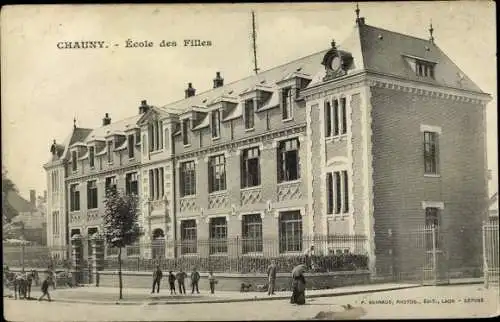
376	136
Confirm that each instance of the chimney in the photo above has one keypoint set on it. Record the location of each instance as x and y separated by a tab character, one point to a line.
218	80
106	120
144	107
33	198
190	91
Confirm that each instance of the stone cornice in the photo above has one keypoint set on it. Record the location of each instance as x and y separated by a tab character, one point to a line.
375	79
233	146
101	173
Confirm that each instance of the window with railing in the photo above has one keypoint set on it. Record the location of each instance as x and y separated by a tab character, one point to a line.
188	237
218	235
432	228
251	228
290	231
288	160
217	173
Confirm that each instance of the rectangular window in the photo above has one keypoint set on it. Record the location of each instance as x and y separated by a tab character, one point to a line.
288	160
217	173
110	184
215	124
251	227
290	231
110	151
218	235
328	119
55	223
158	184
137	136
188	178
74	161
250	168
432	235
329	196
91	194
345	182
431	152
185	133
188	236
335	117
151	137
343	109
249	114
424	69
74	196
338	192
131	146
151	185
287	103
92	156
131	184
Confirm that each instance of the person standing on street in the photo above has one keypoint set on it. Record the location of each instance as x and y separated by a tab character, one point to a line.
271	275
45	288
308	254
195	278
180	281
211	281
171	282
157	275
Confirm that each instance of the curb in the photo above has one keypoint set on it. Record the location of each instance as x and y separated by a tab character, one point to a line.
229	300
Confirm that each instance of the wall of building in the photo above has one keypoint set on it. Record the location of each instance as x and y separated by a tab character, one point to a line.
400	186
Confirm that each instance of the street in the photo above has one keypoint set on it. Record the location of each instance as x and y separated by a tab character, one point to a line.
422	302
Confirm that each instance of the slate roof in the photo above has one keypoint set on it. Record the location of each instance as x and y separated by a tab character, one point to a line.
19	203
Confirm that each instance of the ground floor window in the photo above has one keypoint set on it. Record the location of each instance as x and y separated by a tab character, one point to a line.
432	235
218	235
251	228
188	236
290	231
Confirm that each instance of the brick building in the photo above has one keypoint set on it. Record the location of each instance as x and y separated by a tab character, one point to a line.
375	136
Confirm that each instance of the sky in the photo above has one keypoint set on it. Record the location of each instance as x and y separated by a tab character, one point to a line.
44	88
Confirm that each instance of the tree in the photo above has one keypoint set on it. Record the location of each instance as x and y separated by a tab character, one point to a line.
8	212
121	226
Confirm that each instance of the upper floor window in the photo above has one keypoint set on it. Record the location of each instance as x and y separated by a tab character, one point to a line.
249	114
217	173
131	146
287	103
431	152
92	156
288	160
215	124
54	175
91	194
74	198
424	69
74	161
137	136
155	130
55	223
110	151
131	184
156	183
185	133
337	187
336	117
188	178
250	168
110	184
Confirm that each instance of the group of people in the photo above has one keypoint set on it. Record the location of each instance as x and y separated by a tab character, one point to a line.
22	282
180	278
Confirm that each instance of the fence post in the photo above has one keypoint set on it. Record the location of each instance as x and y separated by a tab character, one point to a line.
485	257
76	245
434	254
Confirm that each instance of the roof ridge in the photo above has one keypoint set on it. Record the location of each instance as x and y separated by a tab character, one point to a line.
400	33
248	77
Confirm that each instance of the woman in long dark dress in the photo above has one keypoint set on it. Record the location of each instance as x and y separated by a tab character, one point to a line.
298	285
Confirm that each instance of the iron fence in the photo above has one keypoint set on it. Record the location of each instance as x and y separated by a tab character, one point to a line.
34	256
490	253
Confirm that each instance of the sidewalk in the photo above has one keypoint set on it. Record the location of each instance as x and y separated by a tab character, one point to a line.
134	296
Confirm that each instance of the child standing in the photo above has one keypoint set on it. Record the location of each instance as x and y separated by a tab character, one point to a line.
171	282
212	281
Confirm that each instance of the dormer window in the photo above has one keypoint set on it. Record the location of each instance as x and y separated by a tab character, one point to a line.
286	103
424	69
110	151
185	133
249	114
155	129
74	163
215	124
137	136
92	156
131	146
